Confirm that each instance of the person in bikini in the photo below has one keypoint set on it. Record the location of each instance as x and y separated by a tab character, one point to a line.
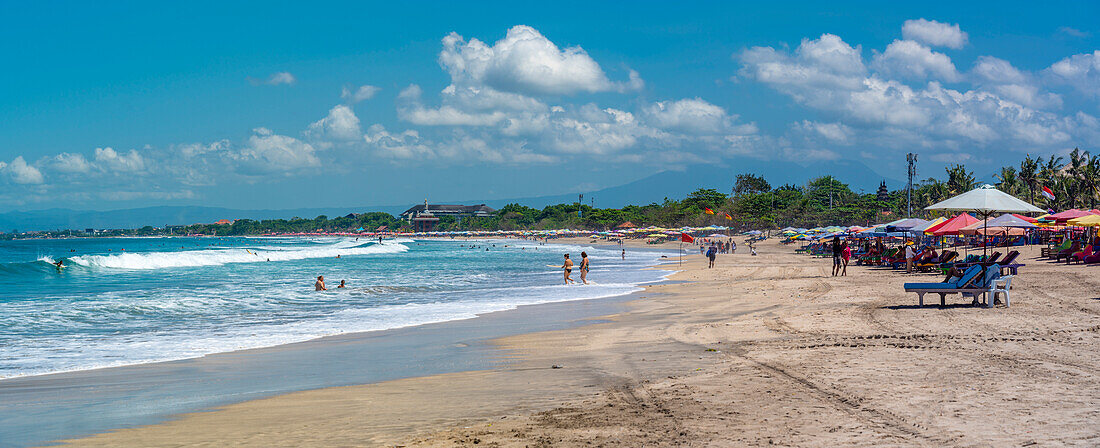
568	269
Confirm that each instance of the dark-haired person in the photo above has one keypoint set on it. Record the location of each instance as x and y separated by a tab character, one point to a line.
837	251
320	285
567	267
584	268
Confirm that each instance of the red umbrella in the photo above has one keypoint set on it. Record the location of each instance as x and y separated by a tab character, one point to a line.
952	226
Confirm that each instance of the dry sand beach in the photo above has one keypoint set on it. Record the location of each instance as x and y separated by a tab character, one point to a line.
760	351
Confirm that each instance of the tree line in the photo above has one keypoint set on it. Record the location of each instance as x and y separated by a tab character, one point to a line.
752	203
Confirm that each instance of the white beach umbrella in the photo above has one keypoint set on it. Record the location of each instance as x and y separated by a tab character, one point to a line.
986	200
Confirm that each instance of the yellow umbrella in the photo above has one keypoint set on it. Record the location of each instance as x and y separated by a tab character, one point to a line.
1086	221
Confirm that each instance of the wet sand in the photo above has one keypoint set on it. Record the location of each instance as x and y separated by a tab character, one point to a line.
767	350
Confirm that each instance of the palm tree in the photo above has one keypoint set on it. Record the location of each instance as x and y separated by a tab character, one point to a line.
1090	179
1029	175
1049	176
1009	183
959	180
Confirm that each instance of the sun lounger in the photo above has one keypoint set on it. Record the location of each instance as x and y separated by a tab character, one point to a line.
1079	257
970	284
931	265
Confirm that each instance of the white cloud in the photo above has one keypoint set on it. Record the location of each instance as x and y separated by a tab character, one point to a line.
281	78
832	132
70	163
268	152
934	33
340	124
110	160
21	172
1074	32
910	60
1082	71
691	114
1001	77
891	113
525	61
362	93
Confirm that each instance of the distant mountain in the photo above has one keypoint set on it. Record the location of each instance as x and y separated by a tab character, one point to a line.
654	188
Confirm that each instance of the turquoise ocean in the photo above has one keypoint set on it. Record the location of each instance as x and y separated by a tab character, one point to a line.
126	301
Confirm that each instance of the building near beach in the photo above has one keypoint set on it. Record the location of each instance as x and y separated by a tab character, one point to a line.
424	217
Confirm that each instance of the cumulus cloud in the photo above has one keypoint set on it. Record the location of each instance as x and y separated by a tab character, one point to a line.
268	152
999	76
832	132
340	124
362	93
70	163
691	114
525	61
910	60
900	114
1081	71
110	160
934	33
20	172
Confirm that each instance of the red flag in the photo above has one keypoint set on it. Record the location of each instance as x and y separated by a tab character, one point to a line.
729	217
1047	193
686	238
709	211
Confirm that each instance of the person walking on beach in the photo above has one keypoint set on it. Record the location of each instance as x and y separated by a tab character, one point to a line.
909	256
712	253
845	254
584	268
836	255
568	269
320	285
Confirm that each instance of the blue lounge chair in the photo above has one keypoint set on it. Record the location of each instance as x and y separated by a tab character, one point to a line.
971	283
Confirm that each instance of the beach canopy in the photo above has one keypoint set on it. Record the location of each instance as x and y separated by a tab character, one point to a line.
952	226
1068	215
985	200
626	225
1006	224
906	224
932	223
1086	221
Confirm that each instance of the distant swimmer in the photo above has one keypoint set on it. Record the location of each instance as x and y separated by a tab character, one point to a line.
337	255
320	285
624	254
341	284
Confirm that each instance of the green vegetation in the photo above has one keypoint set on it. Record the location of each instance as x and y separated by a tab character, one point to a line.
753	204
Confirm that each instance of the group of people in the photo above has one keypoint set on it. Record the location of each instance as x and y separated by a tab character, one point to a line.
567	268
842	253
320	285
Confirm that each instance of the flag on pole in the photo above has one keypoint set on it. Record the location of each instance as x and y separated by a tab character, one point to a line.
708	211
729	217
685	238
1047	193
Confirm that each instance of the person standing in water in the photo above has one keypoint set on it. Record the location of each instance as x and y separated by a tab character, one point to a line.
624	254
341	285
568	269
320	285
584	268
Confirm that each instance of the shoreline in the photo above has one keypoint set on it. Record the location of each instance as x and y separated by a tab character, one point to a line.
759	351
460	345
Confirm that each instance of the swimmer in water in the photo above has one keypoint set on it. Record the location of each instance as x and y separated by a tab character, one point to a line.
320	285
341	284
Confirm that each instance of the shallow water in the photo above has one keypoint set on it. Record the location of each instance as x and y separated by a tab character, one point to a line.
140	300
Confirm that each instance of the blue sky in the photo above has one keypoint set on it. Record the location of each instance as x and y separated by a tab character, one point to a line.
283	105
